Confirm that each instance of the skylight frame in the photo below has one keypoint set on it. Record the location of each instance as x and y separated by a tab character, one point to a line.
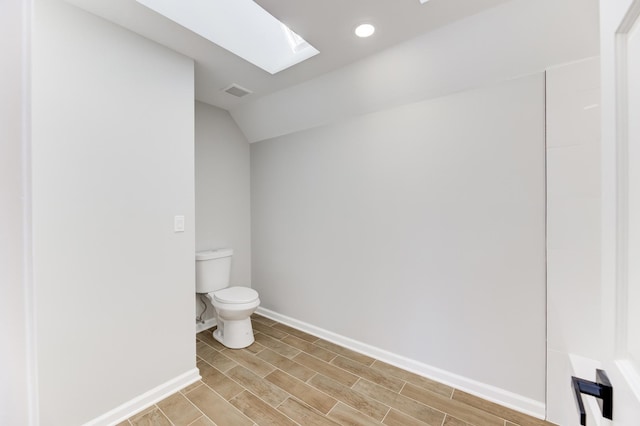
240	26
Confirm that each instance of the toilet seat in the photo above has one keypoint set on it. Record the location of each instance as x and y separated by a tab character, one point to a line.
236	295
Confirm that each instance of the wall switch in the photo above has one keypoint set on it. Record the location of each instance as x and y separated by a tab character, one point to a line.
178	224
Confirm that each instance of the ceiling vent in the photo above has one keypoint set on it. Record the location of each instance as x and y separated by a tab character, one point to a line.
237	91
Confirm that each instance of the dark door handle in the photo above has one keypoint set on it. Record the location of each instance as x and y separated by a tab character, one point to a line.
601	389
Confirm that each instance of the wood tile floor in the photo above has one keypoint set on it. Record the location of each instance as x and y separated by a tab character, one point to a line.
288	377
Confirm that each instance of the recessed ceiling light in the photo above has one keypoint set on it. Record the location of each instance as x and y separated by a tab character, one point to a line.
241	27
365	30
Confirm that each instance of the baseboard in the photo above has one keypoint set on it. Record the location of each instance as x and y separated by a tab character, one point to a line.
488	392
208	323
145	400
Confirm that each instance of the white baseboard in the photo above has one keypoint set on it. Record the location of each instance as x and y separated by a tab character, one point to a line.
145	400
488	392
200	326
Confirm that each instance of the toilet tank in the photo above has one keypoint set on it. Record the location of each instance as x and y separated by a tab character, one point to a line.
213	268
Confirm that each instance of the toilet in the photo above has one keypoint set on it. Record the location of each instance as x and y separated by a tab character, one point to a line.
233	305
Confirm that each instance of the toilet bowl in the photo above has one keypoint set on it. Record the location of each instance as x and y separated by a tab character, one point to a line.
233	305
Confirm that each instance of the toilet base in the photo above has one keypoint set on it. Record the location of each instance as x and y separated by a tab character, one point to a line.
234	334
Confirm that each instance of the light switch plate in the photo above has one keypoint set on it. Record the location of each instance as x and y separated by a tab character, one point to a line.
178	224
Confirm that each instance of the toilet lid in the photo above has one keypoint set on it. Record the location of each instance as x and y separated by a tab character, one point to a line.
236	295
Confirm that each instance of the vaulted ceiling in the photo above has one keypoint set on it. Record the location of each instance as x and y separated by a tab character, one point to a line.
327	24
418	51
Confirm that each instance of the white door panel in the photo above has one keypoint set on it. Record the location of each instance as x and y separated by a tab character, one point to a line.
577	342
620	35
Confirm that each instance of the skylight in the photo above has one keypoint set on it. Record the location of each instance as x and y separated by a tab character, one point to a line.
240	26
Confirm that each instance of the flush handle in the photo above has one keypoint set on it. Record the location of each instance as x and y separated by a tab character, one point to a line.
601	389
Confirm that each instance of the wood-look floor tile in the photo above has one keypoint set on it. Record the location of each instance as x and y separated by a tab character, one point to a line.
295	332
285	364
246	359
326	369
305	393
369	373
217	409
303	414
405	405
260	387
455	408
217	359
191	387
207	337
347	353
254	348
151	418
179	410
217	381
202	347
498	410
289	376
423	382
396	418
309	348
277	345
348	416
452	421
262	319
366	405
259	411
269	331
203	421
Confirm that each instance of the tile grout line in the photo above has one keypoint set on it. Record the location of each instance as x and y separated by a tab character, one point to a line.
194	405
199	419
165	414
284	414
412	399
381	373
336	355
339	401
229	401
330	364
313	409
220	371
311	386
385	415
310	378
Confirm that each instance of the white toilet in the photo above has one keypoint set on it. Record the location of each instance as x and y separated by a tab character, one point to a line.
233	305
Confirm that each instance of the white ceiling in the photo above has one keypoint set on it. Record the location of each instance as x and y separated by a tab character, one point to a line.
326	24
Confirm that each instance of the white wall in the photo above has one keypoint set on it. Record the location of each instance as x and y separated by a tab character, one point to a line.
113	138
573	217
223	211
15	355
418	230
516	38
